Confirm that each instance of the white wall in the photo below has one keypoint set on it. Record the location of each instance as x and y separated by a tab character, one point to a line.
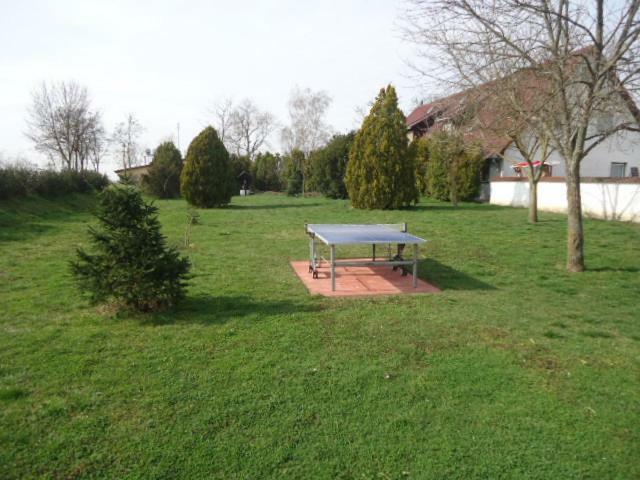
623	148
608	200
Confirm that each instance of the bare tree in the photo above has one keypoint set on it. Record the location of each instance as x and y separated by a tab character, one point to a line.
242	127
307	130
125	141
508	108
63	125
249	128
221	113
587	52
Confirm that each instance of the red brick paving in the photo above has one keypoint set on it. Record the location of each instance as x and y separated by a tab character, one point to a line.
355	281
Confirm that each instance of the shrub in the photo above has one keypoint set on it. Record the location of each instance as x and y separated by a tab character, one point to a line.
267	172
381	173
15	181
453	169
18	181
163	178
420	150
132	264
329	166
207	179
293	164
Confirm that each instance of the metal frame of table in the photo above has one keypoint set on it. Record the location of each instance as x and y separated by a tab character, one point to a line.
378	234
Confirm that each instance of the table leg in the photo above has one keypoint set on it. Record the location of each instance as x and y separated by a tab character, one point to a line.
415	265
333	268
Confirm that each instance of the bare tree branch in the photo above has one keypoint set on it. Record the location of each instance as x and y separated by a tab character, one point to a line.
63	126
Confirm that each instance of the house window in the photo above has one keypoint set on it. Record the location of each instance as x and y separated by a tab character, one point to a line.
618	169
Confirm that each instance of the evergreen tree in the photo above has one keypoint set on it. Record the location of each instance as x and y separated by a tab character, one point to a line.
381	171
267	172
132	263
163	179
420	148
329	166
453	168
293	165
207	177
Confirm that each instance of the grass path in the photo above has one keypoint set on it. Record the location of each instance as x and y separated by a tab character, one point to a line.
517	370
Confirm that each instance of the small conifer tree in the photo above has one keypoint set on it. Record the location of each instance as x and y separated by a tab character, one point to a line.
267	172
132	264
163	179
329	166
453	168
207	177
381	171
292	175
420	148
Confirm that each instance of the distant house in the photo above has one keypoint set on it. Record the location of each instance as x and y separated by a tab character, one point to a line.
135	173
619	156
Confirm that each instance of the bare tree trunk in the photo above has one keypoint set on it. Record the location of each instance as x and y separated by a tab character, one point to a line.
533	201
575	234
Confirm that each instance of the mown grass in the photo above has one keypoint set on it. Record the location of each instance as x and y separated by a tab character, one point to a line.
516	370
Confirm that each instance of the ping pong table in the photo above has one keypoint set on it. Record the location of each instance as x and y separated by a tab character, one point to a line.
333	235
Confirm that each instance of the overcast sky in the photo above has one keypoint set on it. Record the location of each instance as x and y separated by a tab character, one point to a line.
167	61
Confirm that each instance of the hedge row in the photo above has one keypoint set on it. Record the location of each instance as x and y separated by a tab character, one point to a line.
18	181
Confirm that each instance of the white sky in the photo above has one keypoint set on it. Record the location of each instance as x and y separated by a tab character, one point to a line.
167	61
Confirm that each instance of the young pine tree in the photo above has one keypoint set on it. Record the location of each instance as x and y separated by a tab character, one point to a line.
207	177
163	179
381	171
131	263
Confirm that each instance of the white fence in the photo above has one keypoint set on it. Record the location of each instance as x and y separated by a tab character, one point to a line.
608	198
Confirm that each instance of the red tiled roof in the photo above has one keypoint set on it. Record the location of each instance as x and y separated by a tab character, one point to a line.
492	142
487	123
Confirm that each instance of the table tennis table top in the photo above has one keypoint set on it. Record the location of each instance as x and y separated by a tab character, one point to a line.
341	234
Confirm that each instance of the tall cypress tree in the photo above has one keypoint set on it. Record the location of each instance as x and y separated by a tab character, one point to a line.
381	171
163	179
207	177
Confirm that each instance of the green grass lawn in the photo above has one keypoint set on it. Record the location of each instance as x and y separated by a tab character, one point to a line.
516	370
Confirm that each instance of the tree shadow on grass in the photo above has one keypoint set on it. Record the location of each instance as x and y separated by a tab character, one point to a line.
448	278
272	206
615	269
212	310
437	207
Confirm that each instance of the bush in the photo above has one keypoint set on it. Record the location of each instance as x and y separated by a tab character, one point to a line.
132	264
381	172
267	172
207	179
420	151
163	178
293	164
15	181
19	181
329	166
453	169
